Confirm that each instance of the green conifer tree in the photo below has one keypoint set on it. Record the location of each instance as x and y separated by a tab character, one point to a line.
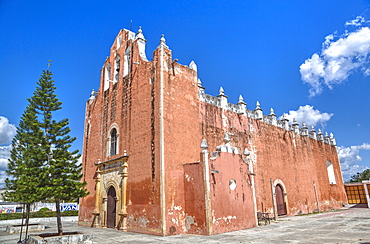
26	159
359	177
59	175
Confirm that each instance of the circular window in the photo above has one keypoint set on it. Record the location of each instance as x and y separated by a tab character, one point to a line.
232	184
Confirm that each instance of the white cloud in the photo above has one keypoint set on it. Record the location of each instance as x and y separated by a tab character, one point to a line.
7	131
356	22
339	58
4	155
349	158
309	115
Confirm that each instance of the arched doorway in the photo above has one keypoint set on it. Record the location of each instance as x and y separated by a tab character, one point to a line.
111	208
280	204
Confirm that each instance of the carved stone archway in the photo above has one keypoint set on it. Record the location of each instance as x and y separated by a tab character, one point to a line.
280	198
111	187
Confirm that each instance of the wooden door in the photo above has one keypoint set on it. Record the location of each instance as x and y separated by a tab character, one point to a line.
111	208
280	204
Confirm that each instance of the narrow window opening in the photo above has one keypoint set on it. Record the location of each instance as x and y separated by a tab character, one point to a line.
330	168
113	142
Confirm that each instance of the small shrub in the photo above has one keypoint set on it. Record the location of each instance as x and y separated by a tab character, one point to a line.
44	210
39	214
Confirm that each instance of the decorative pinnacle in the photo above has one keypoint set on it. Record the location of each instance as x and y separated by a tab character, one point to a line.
304	125
295	122
139	34
312	128
226	137
222	92
163	40
258	105
284	117
241	99
246	152
272	112
204	144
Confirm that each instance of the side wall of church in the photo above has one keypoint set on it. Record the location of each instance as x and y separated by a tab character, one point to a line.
278	156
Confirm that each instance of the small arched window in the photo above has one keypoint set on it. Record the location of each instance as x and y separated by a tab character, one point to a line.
117	68
331	175
113	142
107	76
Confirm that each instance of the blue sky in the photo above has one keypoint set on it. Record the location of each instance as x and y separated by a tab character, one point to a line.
308	59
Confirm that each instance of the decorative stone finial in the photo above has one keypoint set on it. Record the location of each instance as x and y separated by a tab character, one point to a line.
312	132
246	152
162	42
222	99
304	129
193	66
332	140
320	135
139	34
204	144
272	112
284	117
295	126
258	111
272	117
258	105
226	138
327	138
241	99
242	105
295	122
221	91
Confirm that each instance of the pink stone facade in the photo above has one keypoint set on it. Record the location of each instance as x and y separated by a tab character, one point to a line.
161	115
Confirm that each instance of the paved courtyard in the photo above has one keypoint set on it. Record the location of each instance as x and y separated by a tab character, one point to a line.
349	225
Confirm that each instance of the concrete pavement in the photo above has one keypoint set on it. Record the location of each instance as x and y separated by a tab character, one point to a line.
348	225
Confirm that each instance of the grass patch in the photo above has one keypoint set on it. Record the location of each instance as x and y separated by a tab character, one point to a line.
39	214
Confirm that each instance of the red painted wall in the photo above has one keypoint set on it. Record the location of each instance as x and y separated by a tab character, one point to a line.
133	105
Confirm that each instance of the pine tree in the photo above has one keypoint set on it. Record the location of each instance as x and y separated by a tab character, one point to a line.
359	177
59	174
26	159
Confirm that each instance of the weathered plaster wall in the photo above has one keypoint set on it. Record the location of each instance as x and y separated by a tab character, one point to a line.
280	155
232	204
194	199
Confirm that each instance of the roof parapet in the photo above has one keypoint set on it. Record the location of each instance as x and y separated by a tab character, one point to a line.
241	108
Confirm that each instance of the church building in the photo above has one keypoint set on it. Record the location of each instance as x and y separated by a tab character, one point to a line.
161	156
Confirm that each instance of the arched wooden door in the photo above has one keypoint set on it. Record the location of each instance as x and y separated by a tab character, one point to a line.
111	208
280	204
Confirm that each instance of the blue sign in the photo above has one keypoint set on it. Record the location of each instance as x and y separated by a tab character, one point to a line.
68	207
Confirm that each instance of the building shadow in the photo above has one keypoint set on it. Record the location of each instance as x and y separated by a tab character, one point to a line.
360	205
